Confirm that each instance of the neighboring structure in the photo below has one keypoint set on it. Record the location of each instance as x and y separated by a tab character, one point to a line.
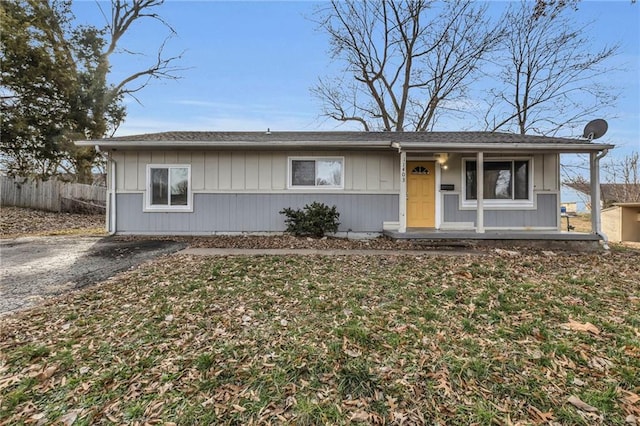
236	182
621	222
570	207
579	200
610	193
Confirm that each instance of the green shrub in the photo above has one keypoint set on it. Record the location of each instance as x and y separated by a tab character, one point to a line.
315	219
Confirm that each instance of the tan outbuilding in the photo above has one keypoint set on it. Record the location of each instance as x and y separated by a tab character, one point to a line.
621	222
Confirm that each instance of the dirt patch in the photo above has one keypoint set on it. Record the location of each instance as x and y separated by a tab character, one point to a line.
114	249
35	268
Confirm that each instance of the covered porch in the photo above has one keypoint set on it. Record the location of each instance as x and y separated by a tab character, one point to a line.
491	187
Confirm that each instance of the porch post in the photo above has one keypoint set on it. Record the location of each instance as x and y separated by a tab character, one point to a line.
594	169
403	193
113	196
480	192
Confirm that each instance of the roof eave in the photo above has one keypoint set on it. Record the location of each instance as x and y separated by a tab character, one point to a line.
627	204
107	145
381	144
499	147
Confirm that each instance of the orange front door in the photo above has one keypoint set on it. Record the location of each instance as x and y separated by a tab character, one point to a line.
421	194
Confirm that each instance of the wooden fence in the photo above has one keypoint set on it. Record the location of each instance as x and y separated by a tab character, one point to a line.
51	195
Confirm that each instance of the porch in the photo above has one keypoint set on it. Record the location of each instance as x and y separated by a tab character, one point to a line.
547	240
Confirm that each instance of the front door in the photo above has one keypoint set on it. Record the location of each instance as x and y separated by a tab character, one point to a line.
421	194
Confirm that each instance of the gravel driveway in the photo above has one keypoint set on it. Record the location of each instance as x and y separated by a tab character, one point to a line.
34	268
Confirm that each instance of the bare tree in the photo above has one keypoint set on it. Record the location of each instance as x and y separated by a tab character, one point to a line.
93	48
549	77
620	181
623	178
124	14
546	8
55	86
103	100
403	60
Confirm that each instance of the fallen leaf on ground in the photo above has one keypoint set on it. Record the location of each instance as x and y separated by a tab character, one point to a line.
239	408
47	373
630	397
577	326
69	418
353	353
600	363
543	417
360	416
579	404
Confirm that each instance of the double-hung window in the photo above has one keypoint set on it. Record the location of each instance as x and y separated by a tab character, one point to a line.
506	182
168	187
325	172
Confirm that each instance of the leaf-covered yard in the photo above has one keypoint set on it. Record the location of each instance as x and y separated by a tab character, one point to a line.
532	338
18	221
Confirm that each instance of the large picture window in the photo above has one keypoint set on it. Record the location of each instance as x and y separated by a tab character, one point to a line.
169	187
504	180
316	172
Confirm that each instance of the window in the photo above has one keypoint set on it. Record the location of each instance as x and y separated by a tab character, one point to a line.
420	170
169	187
316	172
503	180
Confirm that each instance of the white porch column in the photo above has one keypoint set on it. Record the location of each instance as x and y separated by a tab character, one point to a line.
113	195
594	169
403	192
480	192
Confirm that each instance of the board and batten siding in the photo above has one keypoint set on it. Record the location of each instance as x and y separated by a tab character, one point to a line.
244	171
242	191
545	170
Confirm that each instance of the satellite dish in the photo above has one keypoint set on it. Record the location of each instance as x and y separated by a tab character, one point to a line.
595	129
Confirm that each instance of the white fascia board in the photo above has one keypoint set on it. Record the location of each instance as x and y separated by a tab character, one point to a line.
302	144
122	144
505	147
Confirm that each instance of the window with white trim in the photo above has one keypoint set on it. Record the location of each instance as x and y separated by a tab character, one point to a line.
168	186
505	180
325	172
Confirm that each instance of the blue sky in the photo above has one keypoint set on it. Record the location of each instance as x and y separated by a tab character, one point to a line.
250	66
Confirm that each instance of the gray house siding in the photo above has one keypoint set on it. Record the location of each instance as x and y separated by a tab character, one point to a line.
545	215
214	171
245	212
244	191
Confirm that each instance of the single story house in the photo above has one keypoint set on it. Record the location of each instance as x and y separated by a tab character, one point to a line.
445	183
621	222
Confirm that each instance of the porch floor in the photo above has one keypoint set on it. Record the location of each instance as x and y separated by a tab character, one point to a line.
546	240
437	234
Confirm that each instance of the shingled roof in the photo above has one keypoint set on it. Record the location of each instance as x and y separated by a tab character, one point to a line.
426	137
355	140
611	192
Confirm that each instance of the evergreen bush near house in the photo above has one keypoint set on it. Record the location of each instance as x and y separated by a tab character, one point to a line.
315	219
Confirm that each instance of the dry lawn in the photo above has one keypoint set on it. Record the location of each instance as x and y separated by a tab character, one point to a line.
17	221
502	338
580	223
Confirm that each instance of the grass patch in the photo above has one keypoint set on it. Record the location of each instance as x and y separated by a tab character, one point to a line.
356	380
